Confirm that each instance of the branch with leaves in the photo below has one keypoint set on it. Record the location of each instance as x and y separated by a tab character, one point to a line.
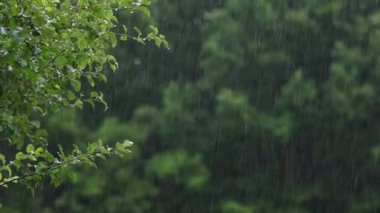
37	163
44	63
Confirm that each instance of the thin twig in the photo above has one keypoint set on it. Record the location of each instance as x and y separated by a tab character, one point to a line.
50	168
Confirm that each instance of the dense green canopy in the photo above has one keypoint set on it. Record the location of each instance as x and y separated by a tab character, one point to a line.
259	106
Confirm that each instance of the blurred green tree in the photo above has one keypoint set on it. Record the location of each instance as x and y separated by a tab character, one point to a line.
260	106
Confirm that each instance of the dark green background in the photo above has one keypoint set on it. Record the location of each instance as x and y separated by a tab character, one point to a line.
262	106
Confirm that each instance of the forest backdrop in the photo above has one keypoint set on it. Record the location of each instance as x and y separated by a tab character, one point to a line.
262	106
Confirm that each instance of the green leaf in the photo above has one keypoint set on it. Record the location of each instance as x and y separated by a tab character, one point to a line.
2	159
20	156
30	148
138	31
91	81
103	78
125	29
127	143
140	40
94	94
72	176
91	102
35	124
78	103
124	37
82	62
60	61
38	151
76	85
113	67
57	86
70	95
145	11
61	152
154	29
7	169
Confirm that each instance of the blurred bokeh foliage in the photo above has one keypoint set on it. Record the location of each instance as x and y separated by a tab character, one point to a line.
259	106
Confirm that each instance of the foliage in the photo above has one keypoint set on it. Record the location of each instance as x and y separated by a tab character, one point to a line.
269	105
50	51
